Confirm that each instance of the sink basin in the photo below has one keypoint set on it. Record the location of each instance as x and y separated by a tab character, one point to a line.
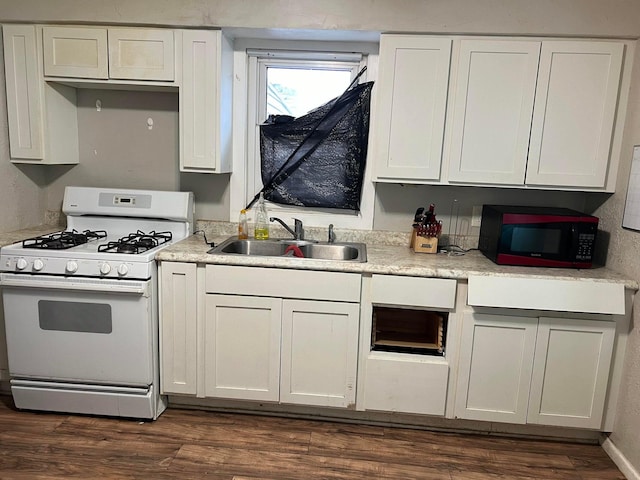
349	252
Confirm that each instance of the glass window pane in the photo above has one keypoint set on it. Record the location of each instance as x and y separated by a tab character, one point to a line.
296	91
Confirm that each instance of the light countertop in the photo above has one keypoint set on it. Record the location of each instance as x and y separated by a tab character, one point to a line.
381	259
390	260
17	236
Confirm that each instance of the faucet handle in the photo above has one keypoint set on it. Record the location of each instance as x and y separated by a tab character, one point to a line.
299	229
332	235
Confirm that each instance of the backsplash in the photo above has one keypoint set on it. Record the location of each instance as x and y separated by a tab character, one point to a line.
213	228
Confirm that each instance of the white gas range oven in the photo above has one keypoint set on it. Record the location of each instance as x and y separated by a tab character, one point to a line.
81	306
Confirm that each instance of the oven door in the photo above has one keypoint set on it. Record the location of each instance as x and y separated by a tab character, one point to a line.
79	330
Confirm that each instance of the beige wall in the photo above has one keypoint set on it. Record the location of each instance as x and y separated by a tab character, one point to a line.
117	147
623	257
553	17
22	196
21	189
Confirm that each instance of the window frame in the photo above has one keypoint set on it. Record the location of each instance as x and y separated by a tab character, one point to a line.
252	57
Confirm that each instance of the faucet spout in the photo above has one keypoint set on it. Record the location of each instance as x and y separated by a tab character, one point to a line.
298	233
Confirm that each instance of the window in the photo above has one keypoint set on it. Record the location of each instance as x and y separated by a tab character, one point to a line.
289	82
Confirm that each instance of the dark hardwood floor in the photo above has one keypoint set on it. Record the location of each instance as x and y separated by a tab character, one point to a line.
189	444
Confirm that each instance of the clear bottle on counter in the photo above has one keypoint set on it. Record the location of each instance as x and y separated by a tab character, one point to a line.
243	228
261	231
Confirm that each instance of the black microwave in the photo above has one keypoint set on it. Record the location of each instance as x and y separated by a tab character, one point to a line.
537	236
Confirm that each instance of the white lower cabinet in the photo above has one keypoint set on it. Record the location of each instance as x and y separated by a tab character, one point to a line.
319	353
4	363
405	345
496	360
571	372
178	328
301	350
242	347
549	371
406	383
245	340
273	349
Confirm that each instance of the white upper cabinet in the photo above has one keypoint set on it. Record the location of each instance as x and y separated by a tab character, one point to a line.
105	53
575	106
206	102
78	52
24	99
411	105
491	115
42	118
499	111
141	54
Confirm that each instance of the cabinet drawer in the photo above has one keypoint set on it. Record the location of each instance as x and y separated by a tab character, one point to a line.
405	385
546	294
275	282
413	291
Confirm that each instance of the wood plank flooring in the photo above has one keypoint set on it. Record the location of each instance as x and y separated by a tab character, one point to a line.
189	444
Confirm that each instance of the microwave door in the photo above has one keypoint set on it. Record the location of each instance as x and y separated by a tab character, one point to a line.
550	241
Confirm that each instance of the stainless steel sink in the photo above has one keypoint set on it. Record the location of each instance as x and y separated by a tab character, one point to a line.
349	252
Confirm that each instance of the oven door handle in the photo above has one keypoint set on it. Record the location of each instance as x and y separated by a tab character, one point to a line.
139	287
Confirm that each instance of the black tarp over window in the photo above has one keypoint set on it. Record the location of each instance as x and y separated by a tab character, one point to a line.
318	160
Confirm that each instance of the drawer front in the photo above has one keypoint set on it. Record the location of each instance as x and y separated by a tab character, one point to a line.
546	294
405	386
413	291
276	282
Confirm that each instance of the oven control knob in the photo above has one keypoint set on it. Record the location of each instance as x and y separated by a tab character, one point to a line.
38	264
21	264
123	270
72	266
105	268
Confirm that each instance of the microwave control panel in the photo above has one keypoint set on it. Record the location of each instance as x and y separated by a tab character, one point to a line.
585	246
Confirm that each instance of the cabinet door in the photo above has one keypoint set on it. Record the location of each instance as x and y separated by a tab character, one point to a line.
141	54
205	102
24	99
411	104
178	328
574	113
492	110
571	372
496	359
242	347
319	353
75	52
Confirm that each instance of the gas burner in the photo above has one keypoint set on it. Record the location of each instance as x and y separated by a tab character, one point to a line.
63	240
135	243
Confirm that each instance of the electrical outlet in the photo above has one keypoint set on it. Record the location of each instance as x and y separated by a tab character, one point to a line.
476	217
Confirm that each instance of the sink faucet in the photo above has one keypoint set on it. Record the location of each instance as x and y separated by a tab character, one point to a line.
298	232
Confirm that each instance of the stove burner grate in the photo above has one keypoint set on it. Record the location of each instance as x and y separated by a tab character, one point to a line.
135	243
63	240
